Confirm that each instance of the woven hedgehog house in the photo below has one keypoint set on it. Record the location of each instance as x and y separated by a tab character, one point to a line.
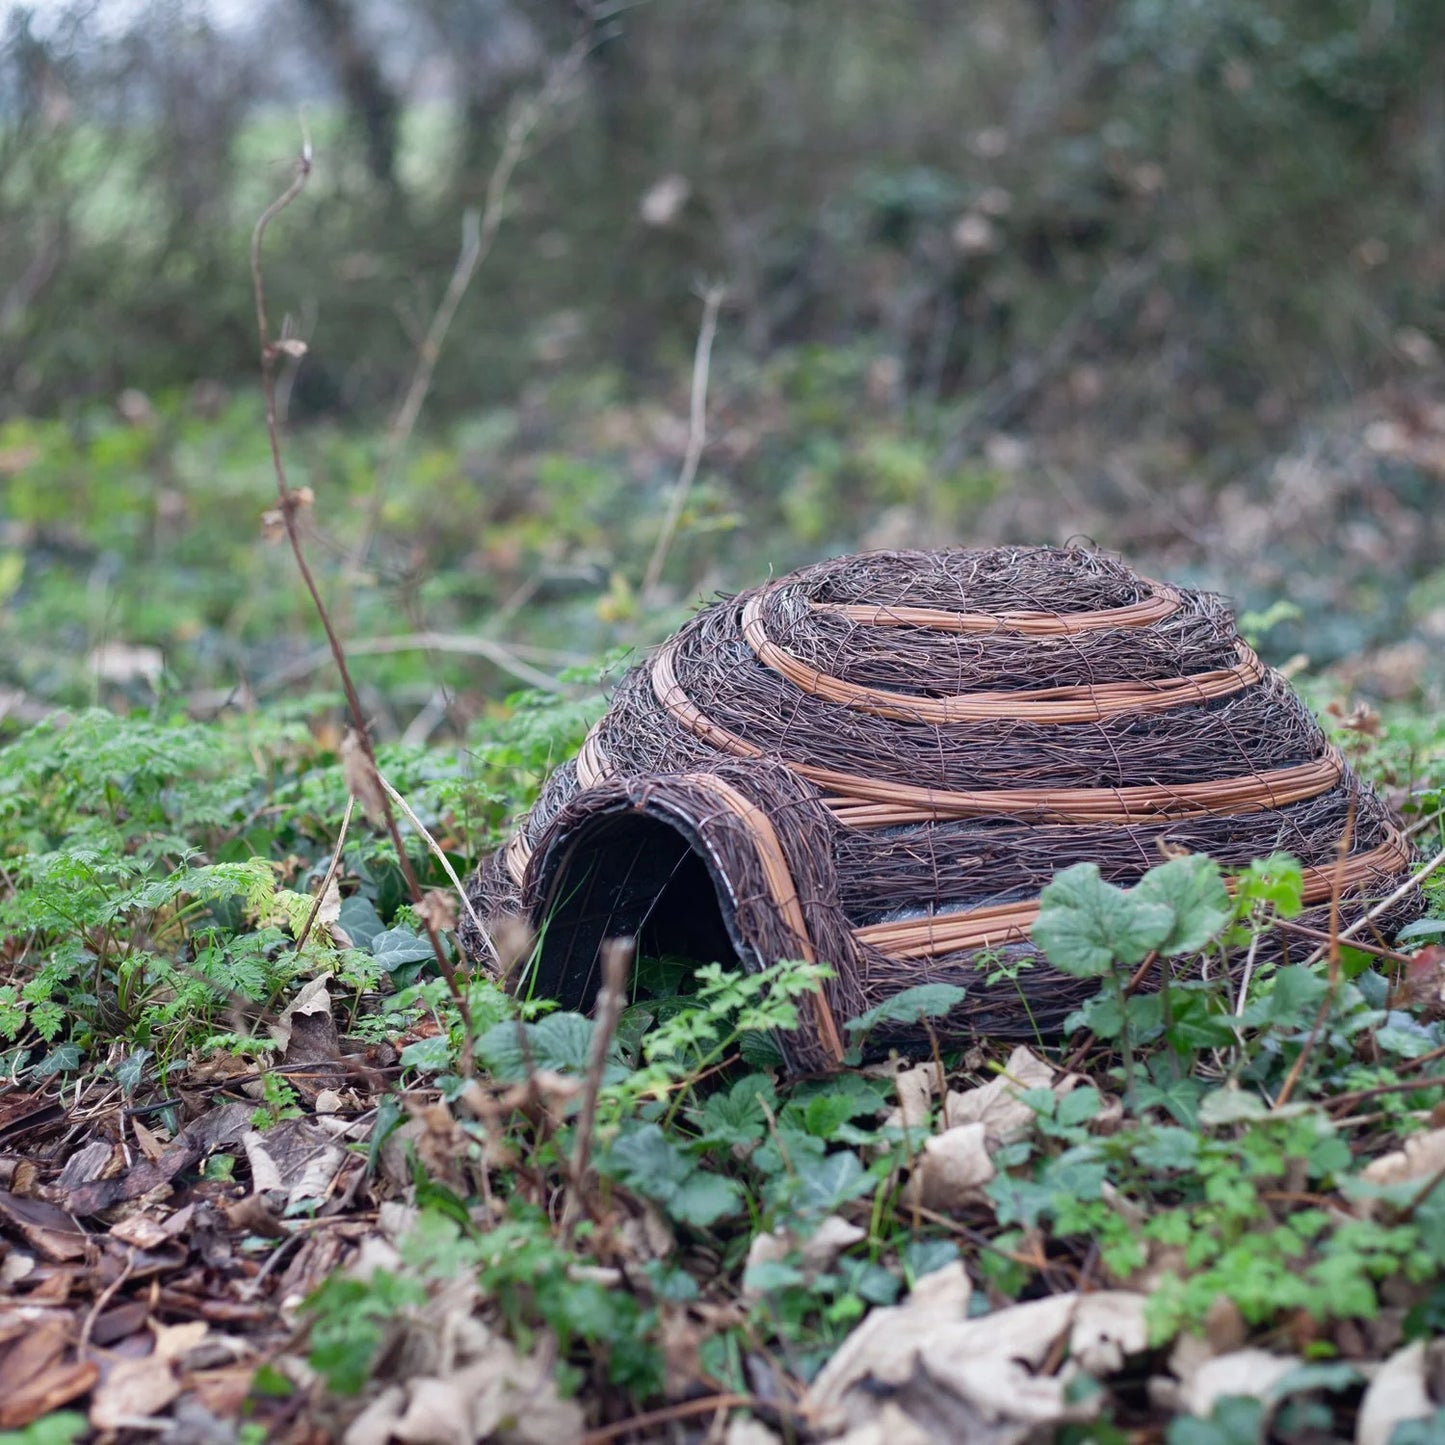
879	762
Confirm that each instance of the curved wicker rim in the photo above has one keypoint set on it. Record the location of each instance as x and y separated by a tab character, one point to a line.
1163	600
1046	705
780	886
1002	923
877	803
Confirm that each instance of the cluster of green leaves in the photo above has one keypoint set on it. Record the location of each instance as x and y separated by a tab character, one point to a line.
717	1164
156	873
1200	1182
1090	928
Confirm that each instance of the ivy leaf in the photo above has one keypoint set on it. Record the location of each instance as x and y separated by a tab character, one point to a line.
1235	1420
395	947
361	922
1193	889
923	1256
62	1060
131	1070
826	1183
646	1160
1086	925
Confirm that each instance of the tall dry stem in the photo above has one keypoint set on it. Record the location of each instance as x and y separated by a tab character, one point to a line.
290	503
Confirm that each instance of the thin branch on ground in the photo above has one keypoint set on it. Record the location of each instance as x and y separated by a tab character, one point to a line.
1383	906
687	1409
479	231
290	502
696	438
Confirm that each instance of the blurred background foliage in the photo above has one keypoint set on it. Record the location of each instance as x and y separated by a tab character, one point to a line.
1166	274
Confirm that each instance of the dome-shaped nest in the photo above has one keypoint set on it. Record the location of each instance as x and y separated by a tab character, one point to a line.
881	760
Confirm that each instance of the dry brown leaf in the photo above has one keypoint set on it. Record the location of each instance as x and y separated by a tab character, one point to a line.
99	1159
1241	1372
887	1342
743	1430
996	1105
817	1252
437	1413
915	1098
133	1390
313	998
1397	1393
15	1267
295	1157
328	913
140	1230
174	1342
978	1374
38	1395
150	1143
1422	1157
373	1426
891	1426
1108	1326
952	1167
359	773
438	909
47	1229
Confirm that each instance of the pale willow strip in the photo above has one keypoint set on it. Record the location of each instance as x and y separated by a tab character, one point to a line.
1162	602
783	891
1046	704
1001	923
876	803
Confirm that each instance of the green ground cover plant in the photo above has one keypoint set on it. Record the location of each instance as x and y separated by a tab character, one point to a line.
1207	1143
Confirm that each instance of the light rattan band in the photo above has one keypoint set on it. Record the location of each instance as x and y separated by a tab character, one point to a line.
1001	923
516	856
781	889
1162	601
1044	705
592	768
592	763
861	802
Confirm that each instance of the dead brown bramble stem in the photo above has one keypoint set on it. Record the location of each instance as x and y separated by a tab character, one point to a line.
361	770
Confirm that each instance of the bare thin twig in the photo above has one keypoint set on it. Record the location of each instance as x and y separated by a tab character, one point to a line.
616	966
1383	906
479	231
326	881
1297	1068
437	852
289	505
696	437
